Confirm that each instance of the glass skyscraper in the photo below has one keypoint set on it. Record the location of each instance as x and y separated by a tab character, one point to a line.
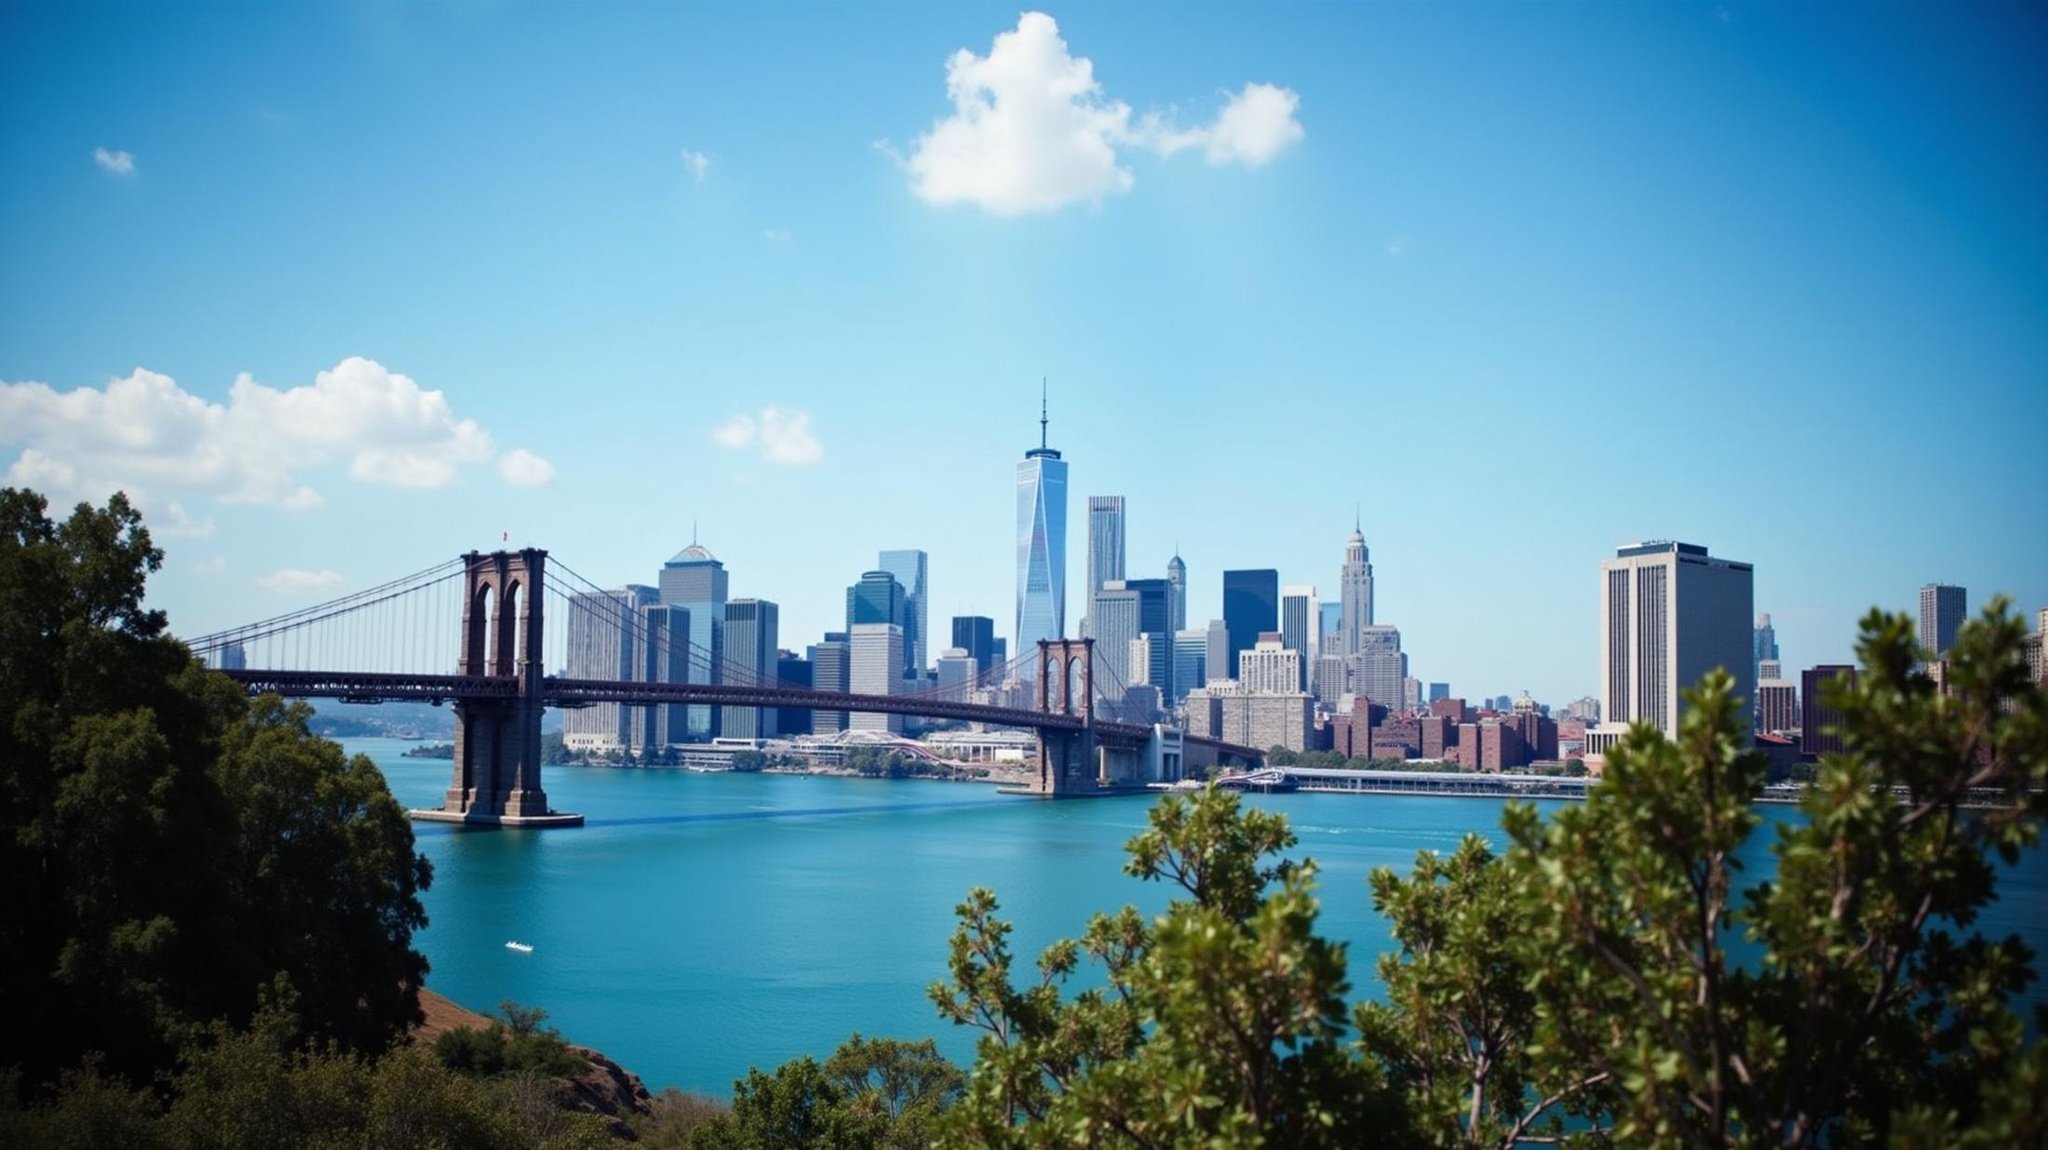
912	568
1251	605
1105	540
1041	545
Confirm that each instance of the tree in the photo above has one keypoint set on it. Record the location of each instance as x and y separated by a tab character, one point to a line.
1873	1009
170	848
1220	1022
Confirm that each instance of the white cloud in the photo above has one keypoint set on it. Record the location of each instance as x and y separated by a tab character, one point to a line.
144	433
522	468
119	163
697	162
781	435
1253	127
293	581
1032	130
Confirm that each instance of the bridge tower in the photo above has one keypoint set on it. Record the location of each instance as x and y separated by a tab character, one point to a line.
1066	758
497	738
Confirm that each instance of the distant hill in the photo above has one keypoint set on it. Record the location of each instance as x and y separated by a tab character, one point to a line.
338	720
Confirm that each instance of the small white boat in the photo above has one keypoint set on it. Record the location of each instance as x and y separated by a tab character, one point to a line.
521	947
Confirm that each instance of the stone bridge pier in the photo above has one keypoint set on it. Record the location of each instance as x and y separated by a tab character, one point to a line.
497	739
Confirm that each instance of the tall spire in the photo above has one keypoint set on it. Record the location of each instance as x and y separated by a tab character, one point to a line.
1041	414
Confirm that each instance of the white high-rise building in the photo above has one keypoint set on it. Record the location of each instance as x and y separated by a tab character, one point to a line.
1354	589
603	643
1041	546
1105	540
875	667
1116	616
1269	668
1669	614
1379	670
1942	610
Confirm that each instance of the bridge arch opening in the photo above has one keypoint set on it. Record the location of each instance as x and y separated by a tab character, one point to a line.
508	631
479	643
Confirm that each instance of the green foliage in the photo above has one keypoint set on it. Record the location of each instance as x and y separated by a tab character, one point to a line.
674	1116
171	848
518	1044
872	1094
1872	995
1219	1023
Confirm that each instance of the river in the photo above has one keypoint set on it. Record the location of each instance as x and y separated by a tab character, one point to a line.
699	924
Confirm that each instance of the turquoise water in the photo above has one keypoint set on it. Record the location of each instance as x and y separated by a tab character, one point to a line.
703	923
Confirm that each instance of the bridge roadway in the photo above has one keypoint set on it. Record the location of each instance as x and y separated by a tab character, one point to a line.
373	687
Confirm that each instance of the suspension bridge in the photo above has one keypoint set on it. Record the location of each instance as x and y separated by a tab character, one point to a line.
500	613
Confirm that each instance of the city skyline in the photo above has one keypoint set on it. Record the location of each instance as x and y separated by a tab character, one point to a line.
1698	268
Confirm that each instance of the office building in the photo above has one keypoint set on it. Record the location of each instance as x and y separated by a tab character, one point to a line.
877	598
1766	648
1300	617
664	658
604	642
1817	721
1942	609
1177	594
1115	617
1329	628
1155	618
1190	662
1770	669
1105	540
1332	676
1670	613
1439	692
1379	669
1217	655
957	672
696	581
792	670
911	569
230	657
1251	607
1041	545
831	669
747	656
1777	705
1354	590
875	667
976	635
1270	667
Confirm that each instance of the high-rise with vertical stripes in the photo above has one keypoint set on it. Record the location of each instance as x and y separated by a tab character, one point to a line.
1669	614
1041	544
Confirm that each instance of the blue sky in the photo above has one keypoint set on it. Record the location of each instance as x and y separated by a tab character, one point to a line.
1521	281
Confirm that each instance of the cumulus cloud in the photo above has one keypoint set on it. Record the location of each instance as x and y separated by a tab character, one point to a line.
698	163
522	468
144	431
1032	130
118	163
780	435
293	581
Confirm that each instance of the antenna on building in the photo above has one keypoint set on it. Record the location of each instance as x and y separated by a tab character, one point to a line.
1041	413
693	532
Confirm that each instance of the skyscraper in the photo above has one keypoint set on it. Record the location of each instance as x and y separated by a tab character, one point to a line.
1670	613
1251	605
1379	671
604	642
1300	619
1177	594
976	635
1190	662
875	667
1115	616
696	580
1354	590
1766	641
1041	544
1216	662
1105	540
1942	608
831	666
1818	723
910	568
747	654
877	598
